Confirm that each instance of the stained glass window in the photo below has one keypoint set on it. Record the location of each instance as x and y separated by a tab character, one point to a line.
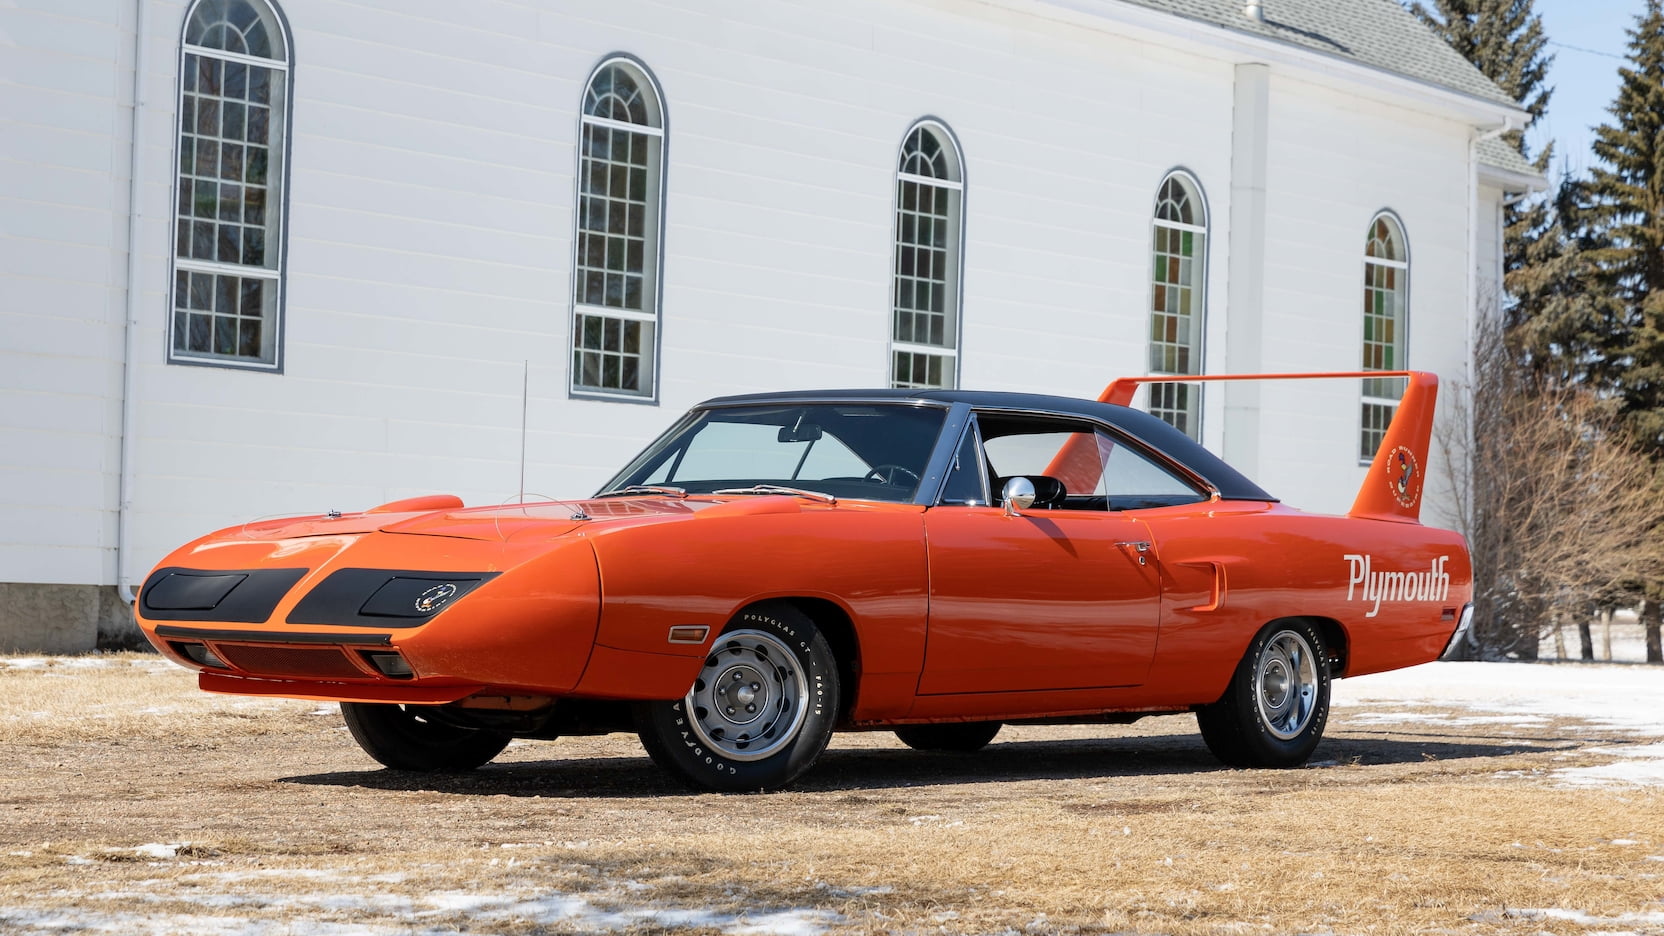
1176	300
1386	282
615	319
924	337
228	217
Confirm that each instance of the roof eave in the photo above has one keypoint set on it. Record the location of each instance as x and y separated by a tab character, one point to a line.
1511	180
1242	47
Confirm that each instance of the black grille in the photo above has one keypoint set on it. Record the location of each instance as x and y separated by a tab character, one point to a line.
325	662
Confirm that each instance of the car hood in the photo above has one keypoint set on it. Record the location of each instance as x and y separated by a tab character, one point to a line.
539	519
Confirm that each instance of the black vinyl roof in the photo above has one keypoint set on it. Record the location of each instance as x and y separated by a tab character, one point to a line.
1152	431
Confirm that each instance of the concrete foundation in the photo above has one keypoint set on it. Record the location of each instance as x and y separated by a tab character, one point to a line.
65	619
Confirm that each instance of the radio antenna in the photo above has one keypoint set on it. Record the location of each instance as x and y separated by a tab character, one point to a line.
525	396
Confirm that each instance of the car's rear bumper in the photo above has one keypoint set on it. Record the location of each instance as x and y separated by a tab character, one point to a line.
1460	635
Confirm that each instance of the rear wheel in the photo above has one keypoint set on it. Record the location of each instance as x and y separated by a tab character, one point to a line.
1274	712
759	713
963	737
406	737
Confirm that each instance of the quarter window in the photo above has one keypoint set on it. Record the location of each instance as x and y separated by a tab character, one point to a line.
930	188
1176	300
228	217
1386	291
615	317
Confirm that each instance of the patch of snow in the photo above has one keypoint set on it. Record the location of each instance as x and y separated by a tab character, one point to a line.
1584	918
157	850
1625	700
388	913
1638	766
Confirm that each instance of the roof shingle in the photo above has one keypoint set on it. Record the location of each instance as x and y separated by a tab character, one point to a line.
1377	33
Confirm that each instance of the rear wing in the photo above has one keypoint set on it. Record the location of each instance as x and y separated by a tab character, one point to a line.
1392	489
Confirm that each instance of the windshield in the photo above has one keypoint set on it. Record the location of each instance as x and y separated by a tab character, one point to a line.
855	450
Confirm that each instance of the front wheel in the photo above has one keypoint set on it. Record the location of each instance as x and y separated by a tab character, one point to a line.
759	713
404	738
1273	713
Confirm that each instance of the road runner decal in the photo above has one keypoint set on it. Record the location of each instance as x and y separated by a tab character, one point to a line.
1432	585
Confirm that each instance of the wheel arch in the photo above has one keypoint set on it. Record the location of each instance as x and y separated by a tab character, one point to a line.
1335	639
834	623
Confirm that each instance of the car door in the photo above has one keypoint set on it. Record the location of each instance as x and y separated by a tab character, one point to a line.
1061	595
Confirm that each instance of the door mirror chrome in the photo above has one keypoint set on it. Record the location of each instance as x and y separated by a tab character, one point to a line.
1018	495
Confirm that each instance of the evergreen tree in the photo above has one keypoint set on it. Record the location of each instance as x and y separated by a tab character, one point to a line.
1627	209
1504	39
1558	328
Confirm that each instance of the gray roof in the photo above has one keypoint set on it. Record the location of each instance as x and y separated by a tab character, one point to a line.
1376	33
1497	152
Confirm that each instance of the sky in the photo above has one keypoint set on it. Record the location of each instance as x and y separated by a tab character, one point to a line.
1588	41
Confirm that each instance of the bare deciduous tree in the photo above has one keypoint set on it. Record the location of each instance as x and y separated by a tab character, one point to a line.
1561	511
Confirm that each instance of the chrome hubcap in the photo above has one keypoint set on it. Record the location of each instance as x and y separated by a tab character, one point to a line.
751	697
1288	683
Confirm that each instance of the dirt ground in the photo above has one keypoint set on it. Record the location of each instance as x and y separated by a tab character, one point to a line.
130	803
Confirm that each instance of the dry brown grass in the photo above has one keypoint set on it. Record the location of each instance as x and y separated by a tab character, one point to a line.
1129	830
119	697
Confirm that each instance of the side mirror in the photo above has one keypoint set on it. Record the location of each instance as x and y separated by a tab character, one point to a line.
1018	495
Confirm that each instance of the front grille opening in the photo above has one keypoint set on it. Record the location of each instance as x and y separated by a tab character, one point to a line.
197	653
322	662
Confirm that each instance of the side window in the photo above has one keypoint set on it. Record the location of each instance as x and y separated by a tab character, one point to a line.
1131	479
1078	466
967	483
1063	457
1071	457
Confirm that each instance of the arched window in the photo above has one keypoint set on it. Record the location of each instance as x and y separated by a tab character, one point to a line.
1177	306
615	302
930	189
1386	295
228	239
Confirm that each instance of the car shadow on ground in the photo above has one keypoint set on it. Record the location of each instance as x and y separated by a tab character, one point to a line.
894	768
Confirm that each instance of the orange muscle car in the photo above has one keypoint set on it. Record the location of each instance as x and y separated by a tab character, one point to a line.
779	566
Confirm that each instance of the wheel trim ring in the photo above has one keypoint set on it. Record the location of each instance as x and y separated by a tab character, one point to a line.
791	694
1285	688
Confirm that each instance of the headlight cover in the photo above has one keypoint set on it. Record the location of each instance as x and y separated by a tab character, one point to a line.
384	597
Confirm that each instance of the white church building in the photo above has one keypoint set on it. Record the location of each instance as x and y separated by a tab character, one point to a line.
267	257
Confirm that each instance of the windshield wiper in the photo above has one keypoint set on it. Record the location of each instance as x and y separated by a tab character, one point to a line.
779	489
668	490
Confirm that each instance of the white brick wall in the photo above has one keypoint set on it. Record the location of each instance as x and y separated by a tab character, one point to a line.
430	243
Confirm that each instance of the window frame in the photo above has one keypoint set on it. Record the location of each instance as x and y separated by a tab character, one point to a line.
1199	304
654	241
953	308
1381	405
278	207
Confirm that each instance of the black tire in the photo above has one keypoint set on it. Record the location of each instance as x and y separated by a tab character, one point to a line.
1274	711
760	712
404	738
962	737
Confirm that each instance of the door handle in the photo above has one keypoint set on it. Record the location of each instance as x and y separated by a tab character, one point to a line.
1141	548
